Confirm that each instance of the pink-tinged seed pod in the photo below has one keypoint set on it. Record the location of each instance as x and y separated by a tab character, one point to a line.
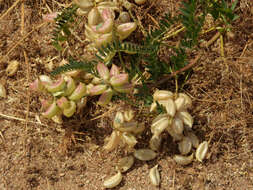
52	110
103	40
70	87
50	17
114	70
93	17
103	71
46	80
105	98
37	86
126	88
124	30
119	80
97	90
79	92
63	103
107	26
45	103
59	85
68	112
89	87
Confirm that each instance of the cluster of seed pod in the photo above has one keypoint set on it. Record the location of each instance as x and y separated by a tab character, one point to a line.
178	123
125	130
70	91
102	26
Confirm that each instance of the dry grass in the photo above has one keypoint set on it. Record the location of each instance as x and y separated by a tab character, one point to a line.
38	154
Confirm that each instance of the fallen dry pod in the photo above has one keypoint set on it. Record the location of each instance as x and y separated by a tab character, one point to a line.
194	139
129	139
183	160
12	68
185	146
186	118
114	140
2	91
145	154
154	176
187	100
155	142
125	163
113	181
201	151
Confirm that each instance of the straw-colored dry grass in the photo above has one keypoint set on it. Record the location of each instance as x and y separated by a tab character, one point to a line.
38	154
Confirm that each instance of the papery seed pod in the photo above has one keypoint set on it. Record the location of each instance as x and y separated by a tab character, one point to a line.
68	112
162	95
194	139
114	70
124	17
79	92
63	102
59	85
201	151
140	2
119	80
125	88
128	115
84	4
187	100
105	98
103	71
153	107
96	80
52	110
126	4
113	142
154	176
70	87
93	17
45	103
73	74
118	120
176	137
186	118
159	125
107	26
125	163
128	126
103	40
97	90
37	86
169	105
177	125
88	87
82	12
89	33
124	30
113	181
185	145
2	91
12	68
155	142
45	79
180	103
145	154
129	139
183	160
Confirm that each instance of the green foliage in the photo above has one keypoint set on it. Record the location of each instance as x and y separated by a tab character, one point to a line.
62	29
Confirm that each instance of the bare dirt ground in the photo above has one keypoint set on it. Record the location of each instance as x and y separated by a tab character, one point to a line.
41	155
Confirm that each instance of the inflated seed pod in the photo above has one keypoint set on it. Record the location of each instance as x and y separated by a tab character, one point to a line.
125	163
128	115
113	181
84	4
51	111
114	70
140	2
125	88
187	100
105	98
186	118
124	17
113	142
129	139
107	24
180	103
103	39
79	92
124	30
194	139
183	160
162	95
12	68
201	151
176	137
128	126
59	85
119	80
45	79
177	125
97	90
118	119
37	86
68	112
145	154
185	145
103	71
153	107
70	86
159	125
155	176
63	102
93	17
155	142
169	105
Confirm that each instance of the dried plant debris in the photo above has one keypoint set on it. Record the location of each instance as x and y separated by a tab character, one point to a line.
12	68
183	160
125	163
2	91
